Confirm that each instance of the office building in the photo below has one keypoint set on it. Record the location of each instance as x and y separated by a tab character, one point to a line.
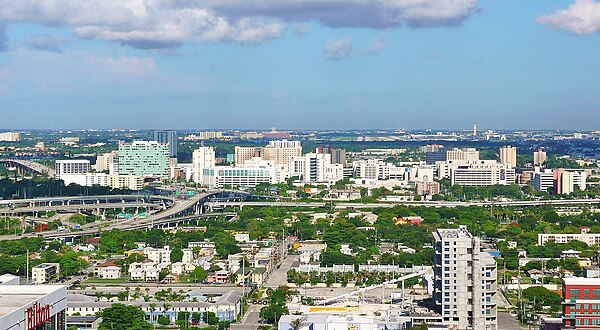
584	236
45	273
565	182
32	307
539	157
144	158
431	148
71	166
427	188
10	137
482	175
543	181
106	162
581	309
508	155
131	182
559	181
431	157
474	129
242	154
242	177
313	167
468	154
207	135
167	137
338	156
465	280
279	151
203	157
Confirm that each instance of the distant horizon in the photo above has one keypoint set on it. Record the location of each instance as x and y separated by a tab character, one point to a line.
480	131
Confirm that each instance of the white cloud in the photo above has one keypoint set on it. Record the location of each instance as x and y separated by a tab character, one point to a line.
377	45
45	42
582	17
155	24
338	49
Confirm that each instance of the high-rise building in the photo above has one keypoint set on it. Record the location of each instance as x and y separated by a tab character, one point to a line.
167	137
203	157
580	303
71	166
106	161
144	158
474	129
543	180
242	154
464	280
470	154
338	156
279	151
10	136
539	157
508	155
316	168
565	182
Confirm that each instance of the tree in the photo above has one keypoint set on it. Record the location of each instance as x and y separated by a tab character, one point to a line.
198	274
152	307
210	318
176	255
71	264
296	324
273	312
123	317
164	320
196	317
542	297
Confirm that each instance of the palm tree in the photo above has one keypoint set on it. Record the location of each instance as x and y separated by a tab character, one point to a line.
296	324
166	307
152	308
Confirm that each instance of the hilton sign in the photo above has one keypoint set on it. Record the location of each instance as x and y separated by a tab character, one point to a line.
36	315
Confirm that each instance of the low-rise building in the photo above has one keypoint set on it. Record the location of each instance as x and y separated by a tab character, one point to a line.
107	270
584	236
45	273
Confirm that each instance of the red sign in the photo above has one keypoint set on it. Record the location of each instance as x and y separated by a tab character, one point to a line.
36	315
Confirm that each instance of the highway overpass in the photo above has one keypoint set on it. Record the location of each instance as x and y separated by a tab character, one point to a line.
28	166
350	205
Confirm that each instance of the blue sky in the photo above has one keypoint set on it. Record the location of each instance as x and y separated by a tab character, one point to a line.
315	64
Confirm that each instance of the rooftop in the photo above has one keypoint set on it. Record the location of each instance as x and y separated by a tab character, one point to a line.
460	232
14	297
581	281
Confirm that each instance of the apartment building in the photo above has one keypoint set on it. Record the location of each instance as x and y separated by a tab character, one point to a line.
203	157
508	155
465	280
584	236
45	273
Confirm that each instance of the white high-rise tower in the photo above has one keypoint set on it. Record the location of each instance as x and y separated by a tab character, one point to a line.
474	129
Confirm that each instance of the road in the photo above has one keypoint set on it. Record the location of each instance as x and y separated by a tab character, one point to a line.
278	277
250	320
506	321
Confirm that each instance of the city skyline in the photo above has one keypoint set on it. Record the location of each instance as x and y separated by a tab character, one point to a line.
299	64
